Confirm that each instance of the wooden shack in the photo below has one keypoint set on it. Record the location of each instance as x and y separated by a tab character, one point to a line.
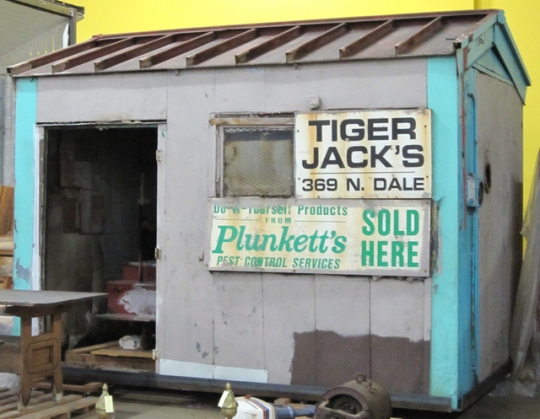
320	198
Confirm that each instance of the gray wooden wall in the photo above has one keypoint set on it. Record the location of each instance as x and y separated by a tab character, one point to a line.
500	133
301	329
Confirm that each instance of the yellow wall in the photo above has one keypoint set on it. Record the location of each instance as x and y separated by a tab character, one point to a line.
113	16
118	16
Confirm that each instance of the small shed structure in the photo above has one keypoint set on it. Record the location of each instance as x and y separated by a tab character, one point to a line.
28	28
324	197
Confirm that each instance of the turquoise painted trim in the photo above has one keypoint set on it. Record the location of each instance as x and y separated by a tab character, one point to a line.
469	52
442	99
512	48
25	123
511	59
494	34
468	238
490	64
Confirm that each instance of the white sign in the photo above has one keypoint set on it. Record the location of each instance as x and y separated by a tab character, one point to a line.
361	237
372	154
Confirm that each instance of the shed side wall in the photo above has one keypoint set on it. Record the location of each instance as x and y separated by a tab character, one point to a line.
499	117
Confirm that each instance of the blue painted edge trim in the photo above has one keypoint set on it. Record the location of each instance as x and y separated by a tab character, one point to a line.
468	242
494	34
510	58
25	122
442	99
490	64
512	47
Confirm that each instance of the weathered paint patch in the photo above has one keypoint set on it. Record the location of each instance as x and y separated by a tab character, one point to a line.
21	272
400	365
326	359
139	301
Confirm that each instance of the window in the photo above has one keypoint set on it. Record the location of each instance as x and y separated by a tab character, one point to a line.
257	161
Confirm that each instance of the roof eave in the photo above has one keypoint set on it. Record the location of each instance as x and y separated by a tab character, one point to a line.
493	33
53	6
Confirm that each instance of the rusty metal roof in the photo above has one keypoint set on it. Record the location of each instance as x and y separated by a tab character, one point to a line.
336	40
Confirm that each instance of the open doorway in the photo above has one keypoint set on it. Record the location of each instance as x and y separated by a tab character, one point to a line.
99	230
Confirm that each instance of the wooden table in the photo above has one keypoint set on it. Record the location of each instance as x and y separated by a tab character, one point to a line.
41	354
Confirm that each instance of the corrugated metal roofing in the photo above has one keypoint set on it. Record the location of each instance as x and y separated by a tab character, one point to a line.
266	44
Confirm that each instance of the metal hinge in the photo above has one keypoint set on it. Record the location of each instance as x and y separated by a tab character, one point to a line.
157	253
475	191
159	155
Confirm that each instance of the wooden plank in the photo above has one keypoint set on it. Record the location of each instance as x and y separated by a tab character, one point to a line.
111	355
14	404
12	396
317	42
5	270
134	52
127	317
91	387
176	50
27	298
6	282
266	46
37	403
130	353
142	364
6	248
84	404
92	55
366	40
222	47
250	121
93	347
420	36
6	210
7	393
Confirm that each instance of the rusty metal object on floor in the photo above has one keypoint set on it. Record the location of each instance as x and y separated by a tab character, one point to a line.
358	399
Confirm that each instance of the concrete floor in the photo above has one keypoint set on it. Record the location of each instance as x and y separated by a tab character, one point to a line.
137	404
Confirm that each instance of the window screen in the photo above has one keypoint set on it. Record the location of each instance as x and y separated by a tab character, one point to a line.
257	161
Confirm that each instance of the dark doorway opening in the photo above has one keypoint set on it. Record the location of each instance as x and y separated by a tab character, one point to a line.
99	220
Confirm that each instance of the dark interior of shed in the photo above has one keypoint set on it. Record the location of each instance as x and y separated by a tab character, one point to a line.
100	227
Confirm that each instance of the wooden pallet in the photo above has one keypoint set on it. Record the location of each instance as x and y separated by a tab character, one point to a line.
110	355
88	388
42	406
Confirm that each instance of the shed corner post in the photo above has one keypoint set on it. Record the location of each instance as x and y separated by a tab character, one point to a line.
25	170
442	99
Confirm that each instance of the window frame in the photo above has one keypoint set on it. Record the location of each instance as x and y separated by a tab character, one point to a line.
241	121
